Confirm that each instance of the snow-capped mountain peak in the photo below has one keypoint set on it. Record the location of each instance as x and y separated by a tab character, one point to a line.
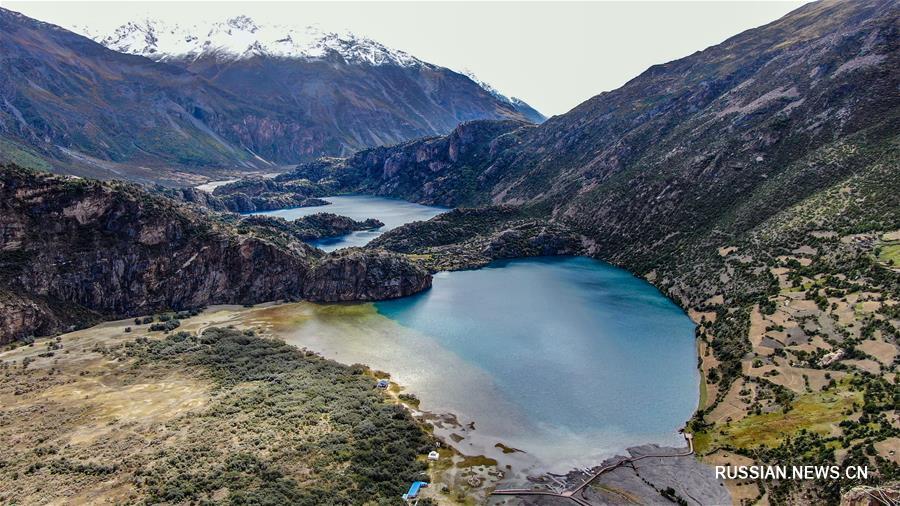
241	37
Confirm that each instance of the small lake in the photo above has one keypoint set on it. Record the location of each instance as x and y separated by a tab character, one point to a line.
568	359
392	212
212	185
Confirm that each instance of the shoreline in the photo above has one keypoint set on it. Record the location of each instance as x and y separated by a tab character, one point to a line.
462	467
491	455
481	464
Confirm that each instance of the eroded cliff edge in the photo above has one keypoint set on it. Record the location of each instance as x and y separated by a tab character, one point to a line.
74	251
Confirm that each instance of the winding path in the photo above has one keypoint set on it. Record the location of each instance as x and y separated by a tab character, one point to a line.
572	494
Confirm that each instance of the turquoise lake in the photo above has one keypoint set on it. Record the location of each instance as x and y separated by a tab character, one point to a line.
575	342
568	359
392	212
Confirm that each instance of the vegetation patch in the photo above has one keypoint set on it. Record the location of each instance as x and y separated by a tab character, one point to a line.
475	461
273	425
890	254
818	412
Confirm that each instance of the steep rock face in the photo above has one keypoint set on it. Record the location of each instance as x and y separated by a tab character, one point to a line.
70	247
356	274
22	316
447	170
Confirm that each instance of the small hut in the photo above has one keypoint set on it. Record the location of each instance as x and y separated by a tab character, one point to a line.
413	492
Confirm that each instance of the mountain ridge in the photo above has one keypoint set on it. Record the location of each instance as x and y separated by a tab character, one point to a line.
74	105
241	37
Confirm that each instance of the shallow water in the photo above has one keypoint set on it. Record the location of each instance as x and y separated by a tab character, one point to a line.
568	359
392	212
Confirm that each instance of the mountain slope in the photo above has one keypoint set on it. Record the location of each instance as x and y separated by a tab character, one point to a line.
368	93
683	143
68	98
354	106
96	112
241	38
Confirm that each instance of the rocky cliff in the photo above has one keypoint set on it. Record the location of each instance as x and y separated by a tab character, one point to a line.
313	226
449	170
73	250
363	274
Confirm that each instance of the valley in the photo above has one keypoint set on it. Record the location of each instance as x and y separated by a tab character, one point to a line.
706	255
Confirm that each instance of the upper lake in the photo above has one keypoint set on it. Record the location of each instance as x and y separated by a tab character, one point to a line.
392	212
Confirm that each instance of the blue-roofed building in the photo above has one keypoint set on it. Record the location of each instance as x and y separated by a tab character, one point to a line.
383	384
414	490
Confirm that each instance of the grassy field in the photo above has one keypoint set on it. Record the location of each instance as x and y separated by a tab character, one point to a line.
226	417
890	253
19	155
818	412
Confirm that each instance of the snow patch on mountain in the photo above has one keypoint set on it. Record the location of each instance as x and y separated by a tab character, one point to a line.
241	37
493	91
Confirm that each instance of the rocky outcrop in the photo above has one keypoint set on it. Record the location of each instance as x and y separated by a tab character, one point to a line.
447	171
471	238
363	274
190	195
264	194
314	226
241	203
862	495
73	249
23	316
237	200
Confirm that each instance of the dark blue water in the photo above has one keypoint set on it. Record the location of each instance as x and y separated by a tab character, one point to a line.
392	212
578	345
